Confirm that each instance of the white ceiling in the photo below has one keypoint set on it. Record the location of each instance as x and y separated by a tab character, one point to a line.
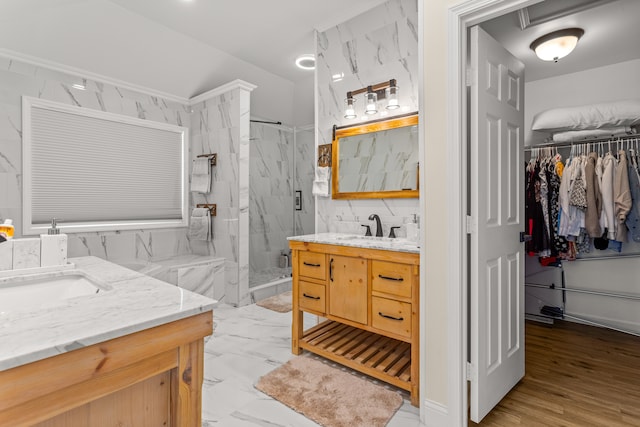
173	46
611	34
187	48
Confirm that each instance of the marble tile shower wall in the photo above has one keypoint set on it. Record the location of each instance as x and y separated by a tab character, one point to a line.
270	194
304	219
378	45
221	125
17	79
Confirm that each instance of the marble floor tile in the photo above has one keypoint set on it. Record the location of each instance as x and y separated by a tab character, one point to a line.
247	343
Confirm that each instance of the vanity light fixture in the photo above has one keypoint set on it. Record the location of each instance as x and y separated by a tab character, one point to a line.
306	62
557	44
386	90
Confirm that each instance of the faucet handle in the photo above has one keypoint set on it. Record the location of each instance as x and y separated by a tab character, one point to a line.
368	232
392	233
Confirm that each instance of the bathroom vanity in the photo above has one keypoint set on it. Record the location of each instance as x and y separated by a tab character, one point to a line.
130	353
367	289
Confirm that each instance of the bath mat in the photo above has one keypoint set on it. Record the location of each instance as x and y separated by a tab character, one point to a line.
280	303
331	396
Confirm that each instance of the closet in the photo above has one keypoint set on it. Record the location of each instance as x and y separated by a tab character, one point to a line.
561	244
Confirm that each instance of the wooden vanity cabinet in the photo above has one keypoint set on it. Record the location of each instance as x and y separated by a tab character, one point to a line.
369	298
148	378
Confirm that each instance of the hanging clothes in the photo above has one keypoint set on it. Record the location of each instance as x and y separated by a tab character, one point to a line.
539	242
594	199
633	218
607	218
621	196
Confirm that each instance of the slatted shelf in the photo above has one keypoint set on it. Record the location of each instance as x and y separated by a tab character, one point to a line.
381	357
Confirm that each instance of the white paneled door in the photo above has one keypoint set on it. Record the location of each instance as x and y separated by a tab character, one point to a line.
497	211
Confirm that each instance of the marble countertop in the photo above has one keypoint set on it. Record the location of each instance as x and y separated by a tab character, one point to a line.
360	241
132	302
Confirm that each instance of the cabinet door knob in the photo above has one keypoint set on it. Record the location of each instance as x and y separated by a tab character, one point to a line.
386	316
310	296
331	270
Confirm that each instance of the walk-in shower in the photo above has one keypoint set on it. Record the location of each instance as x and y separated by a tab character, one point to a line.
281	163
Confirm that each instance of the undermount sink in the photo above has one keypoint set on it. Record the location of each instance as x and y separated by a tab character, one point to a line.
32	291
398	240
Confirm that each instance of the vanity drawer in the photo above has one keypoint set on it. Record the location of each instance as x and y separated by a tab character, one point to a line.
391	316
312	264
391	278
311	296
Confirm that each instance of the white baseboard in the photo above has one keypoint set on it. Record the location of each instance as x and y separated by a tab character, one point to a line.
436	414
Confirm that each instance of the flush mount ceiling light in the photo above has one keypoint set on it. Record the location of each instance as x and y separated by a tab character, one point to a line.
386	90
306	62
557	44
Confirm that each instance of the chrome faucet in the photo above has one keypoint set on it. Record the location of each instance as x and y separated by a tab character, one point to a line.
378	224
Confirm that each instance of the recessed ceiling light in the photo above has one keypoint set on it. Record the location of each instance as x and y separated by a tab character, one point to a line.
79	86
306	62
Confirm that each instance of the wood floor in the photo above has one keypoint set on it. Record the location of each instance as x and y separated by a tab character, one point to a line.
576	375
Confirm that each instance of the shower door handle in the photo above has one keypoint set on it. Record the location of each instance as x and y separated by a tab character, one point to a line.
331	270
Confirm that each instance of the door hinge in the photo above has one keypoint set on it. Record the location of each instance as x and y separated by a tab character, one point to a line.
469	371
468	78
469	224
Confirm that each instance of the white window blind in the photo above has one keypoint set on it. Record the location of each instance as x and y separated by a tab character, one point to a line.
100	171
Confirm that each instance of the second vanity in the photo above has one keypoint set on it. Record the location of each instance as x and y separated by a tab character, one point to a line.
367	290
129	351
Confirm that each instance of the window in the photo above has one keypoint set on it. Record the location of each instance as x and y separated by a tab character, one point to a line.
97	171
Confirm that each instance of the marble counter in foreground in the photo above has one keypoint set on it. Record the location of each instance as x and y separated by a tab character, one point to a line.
359	241
135	302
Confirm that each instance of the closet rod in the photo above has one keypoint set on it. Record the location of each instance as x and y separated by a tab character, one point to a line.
585	291
612	139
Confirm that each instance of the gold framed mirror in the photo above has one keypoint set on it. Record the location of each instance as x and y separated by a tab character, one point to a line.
376	160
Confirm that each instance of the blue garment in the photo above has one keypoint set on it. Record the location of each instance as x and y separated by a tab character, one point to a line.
633	217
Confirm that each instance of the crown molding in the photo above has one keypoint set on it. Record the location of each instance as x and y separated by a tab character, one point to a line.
235	84
78	72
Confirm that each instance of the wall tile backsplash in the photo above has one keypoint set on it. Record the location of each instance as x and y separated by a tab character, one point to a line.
374	47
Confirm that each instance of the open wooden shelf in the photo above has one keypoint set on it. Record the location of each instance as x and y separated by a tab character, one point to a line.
381	357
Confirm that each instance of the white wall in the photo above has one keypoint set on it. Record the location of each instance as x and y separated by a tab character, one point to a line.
603	84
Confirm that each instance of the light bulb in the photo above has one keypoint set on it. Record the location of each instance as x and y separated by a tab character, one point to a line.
349	109
371	107
392	98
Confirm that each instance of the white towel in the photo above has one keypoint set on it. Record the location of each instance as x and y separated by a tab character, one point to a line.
200	224
200	175
321	183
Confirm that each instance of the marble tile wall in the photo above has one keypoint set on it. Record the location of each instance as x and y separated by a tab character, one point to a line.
18	79
270	195
221	125
378	45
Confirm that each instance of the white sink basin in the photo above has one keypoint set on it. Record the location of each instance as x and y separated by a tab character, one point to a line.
33	291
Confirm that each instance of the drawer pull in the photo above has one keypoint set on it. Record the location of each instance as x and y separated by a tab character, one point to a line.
386	316
331	270
397	279
308	264
310	296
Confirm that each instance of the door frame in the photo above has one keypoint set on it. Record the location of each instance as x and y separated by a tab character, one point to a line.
459	18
